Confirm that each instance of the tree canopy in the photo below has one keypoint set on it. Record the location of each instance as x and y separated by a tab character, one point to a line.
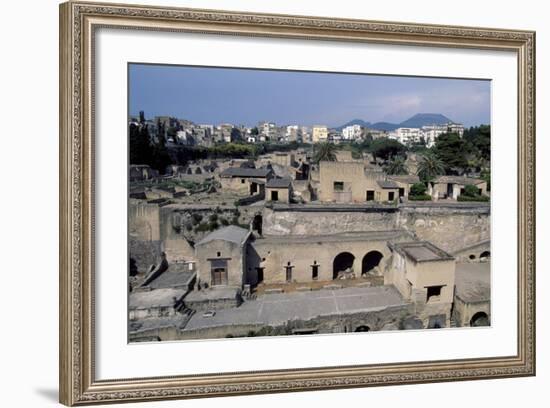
451	149
324	152
429	167
385	148
396	165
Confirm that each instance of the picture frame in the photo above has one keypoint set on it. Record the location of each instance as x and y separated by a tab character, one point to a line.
79	22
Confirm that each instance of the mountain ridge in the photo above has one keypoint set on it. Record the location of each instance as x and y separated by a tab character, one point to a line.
416	121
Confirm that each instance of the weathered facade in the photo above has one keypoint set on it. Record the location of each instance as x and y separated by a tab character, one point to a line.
350	182
244	180
221	257
424	275
279	190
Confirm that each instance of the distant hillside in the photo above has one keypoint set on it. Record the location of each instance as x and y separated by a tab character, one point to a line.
417	121
423	119
354	122
388	127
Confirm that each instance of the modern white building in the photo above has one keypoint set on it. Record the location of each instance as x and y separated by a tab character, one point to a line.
429	133
432	132
268	130
293	133
407	135
352	132
319	134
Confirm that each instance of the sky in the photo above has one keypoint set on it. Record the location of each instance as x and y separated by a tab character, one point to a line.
208	95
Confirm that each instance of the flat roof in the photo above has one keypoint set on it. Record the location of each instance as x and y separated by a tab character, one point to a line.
421	251
409	179
458	180
387	184
174	277
341	237
473	281
278	183
244	172
155	298
278	308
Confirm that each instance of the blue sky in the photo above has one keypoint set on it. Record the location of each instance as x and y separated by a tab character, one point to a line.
247	96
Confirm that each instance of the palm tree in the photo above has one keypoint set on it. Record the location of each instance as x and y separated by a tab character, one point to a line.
430	167
324	152
396	165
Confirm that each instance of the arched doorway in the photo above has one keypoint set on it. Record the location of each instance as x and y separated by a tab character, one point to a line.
342	263
479	319
257	223
370	261
362	329
485	256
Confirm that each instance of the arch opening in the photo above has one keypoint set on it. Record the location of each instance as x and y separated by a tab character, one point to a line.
370	261
342	267
362	329
479	319
485	256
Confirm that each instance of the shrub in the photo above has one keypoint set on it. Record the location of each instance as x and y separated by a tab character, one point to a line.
213	226
418	189
421	197
196	218
471	191
224	221
202	227
213	218
478	198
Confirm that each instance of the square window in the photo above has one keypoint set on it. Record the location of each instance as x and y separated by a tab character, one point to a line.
433	293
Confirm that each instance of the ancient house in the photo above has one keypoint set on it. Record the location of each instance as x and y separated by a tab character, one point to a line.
246	181
404	183
425	275
221	257
279	190
350	182
453	186
141	172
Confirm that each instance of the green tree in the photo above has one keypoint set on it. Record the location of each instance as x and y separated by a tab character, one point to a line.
418	189
486	176
140	144
324	152
479	137
385	148
452	150
396	165
430	167
471	191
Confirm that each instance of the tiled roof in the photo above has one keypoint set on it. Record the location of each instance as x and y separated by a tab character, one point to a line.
244	172
278	183
231	233
387	184
458	180
409	178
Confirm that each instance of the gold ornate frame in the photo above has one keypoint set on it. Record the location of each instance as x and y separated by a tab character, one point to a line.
78	22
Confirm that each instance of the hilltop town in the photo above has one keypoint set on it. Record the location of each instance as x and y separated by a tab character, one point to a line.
241	231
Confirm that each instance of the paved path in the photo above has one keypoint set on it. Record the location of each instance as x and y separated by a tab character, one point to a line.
276	309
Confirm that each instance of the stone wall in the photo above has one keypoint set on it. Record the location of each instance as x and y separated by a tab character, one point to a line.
144	254
277	222
450	228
